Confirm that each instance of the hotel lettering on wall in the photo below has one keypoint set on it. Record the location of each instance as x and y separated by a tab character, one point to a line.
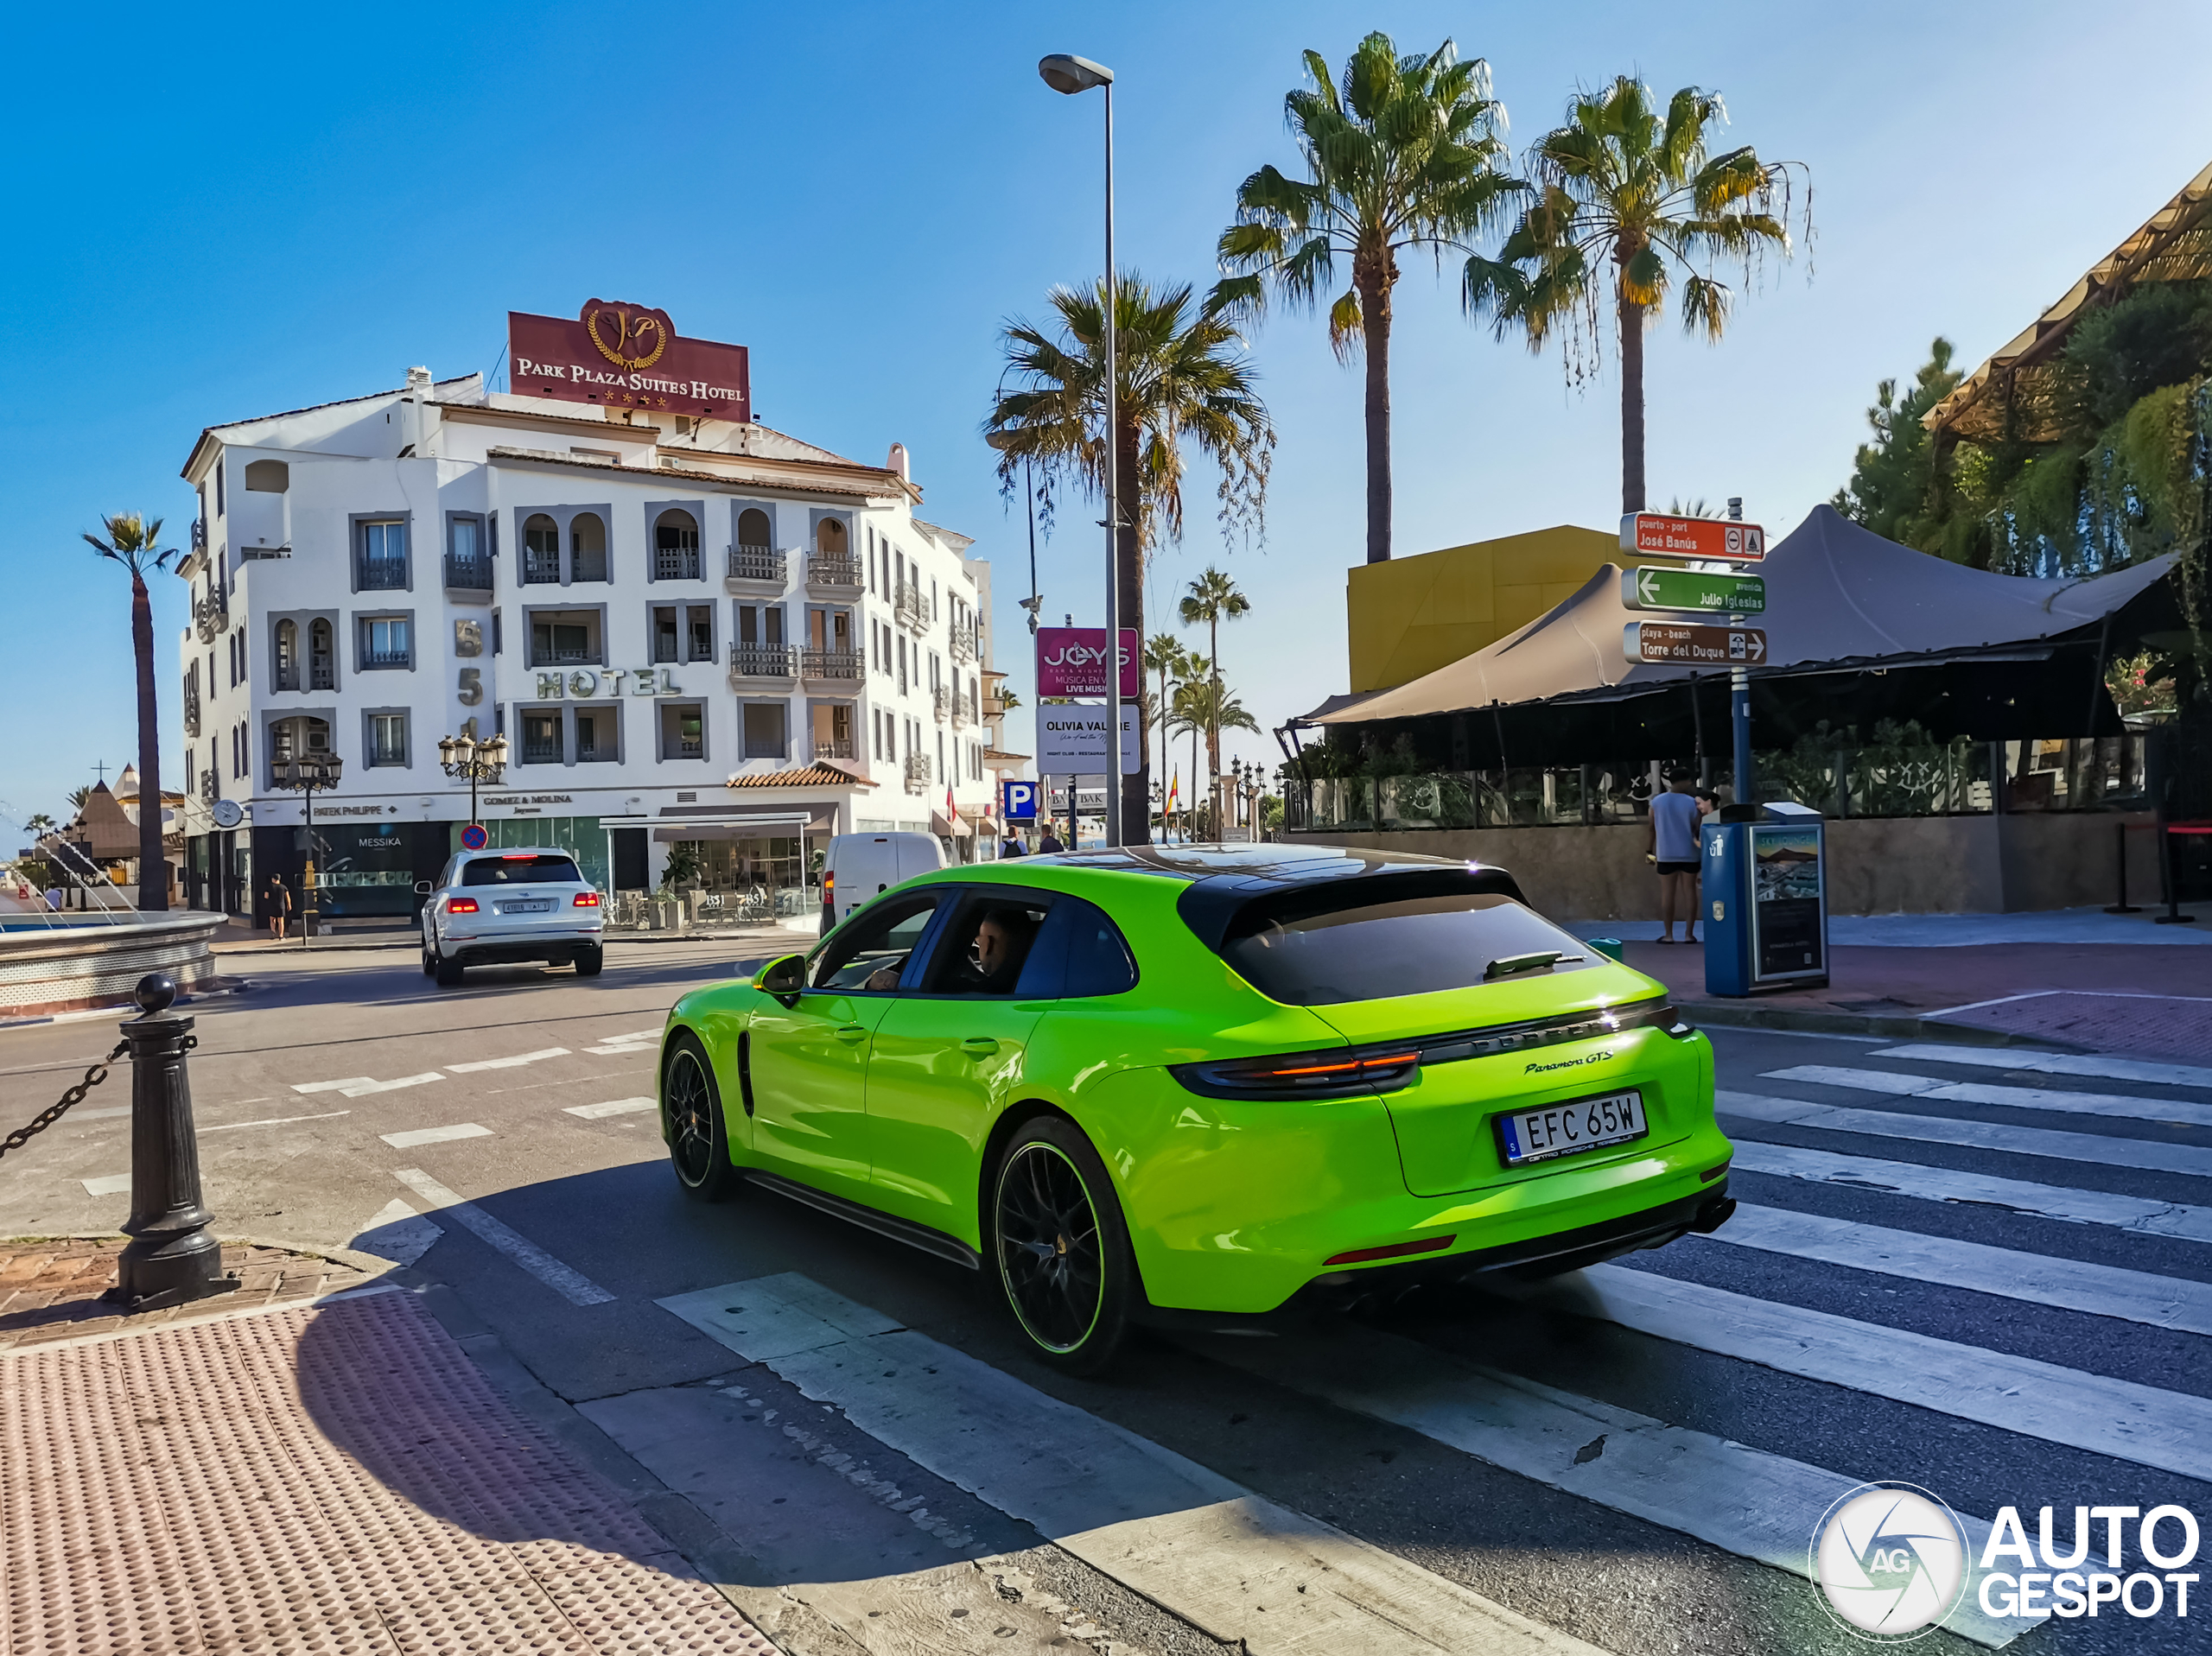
622	356
585	684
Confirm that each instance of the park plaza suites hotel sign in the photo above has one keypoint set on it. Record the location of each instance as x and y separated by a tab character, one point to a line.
622	356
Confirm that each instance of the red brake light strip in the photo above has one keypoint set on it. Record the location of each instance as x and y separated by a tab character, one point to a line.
1394	1251
1350	1065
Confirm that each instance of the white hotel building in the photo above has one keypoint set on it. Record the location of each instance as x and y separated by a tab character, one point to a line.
671	619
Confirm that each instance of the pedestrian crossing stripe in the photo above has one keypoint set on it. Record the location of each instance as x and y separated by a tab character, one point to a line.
2125	1106
2147	1154
2100	1066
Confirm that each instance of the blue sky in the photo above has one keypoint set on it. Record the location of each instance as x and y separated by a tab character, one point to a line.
220	214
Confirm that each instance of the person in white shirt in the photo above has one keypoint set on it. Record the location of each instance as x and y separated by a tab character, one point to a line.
1673	845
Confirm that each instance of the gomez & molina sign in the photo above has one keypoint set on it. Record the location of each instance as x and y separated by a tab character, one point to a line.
628	356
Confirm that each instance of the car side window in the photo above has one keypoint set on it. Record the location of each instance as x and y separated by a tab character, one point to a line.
988	944
1079	953
870	953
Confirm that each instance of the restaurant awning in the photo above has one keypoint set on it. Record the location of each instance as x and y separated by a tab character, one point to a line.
1838	597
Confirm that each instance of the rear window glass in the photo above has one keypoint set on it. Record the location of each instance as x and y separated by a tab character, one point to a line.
521	871
1318	949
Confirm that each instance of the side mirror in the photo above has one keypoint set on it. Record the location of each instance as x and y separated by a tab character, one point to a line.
422	888
785	975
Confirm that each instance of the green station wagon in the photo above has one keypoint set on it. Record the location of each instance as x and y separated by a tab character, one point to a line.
1187	1085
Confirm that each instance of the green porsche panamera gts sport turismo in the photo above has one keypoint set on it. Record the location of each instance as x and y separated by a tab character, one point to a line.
1189	1084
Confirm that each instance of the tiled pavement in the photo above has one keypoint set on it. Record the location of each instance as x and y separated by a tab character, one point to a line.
50	1287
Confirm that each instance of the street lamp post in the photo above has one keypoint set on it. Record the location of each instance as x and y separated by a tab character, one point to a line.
304	777
464	756
1068	74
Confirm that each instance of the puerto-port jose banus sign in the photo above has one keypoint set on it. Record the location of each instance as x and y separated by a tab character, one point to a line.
1647	588
1651	534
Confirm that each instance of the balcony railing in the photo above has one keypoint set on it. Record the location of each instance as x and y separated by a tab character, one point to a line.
540	569
917	773
833	664
469	575
192	709
675	563
993	706
912	609
960	719
564	657
756	563
941	703
208	790
832	747
842	575
399	658
200	534
212	615
321	676
756	660
963	646
538	752
381	575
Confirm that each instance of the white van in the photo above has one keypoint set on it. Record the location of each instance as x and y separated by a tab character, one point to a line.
857	867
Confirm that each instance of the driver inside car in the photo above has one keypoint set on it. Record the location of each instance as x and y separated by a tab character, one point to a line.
993	958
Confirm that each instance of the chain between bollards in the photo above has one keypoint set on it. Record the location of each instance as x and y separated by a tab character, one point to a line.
75	1096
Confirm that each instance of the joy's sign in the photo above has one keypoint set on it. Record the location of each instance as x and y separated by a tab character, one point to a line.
1071	661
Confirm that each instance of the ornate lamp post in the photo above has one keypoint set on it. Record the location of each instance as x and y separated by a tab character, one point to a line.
304	777
464	756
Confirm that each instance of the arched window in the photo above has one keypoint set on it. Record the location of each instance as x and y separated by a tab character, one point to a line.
541	550
323	663
587	547
287	655
268	476
829	538
752	530
676	546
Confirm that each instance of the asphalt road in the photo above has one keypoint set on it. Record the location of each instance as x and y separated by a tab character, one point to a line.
1897	1301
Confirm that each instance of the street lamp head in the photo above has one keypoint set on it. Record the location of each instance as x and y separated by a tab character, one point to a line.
461	748
445	751
495	750
1066	73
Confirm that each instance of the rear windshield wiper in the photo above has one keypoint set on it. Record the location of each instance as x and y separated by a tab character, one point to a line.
1542	959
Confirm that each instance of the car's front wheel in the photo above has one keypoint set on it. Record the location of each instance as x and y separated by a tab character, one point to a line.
1062	1249
589	962
691	1111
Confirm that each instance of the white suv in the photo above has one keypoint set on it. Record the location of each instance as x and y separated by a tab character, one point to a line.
498	907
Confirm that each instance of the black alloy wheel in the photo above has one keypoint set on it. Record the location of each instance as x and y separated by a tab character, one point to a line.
1063	1259
691	1117
589	962
429	963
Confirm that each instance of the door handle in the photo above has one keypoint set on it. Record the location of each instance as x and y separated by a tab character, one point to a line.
980	1046
852	1034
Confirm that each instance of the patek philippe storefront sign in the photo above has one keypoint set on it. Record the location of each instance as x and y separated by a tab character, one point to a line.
626	356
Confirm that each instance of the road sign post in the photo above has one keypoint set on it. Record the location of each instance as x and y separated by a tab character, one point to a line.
1702	540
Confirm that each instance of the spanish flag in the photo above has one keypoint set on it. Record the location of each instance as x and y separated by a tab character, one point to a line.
1174	789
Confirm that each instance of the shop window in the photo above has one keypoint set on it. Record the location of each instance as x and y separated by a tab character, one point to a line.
540	551
587	547
765	730
541	737
683	730
676	546
388	739
287	655
268	476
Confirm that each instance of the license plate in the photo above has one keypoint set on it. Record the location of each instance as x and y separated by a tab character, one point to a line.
544	906
1558	1130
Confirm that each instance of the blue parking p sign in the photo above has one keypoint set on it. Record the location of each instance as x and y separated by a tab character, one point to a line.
1020	801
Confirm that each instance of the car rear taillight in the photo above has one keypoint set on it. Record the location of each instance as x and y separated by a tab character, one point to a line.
587	900
1393	1251
1335	1072
829	893
460	905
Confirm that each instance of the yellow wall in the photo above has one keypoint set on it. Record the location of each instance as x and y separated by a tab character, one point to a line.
1411	615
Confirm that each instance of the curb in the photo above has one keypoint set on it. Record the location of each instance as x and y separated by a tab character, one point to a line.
352	1258
1886	1026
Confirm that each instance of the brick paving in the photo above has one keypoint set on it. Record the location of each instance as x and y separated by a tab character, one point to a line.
50	1287
331	1478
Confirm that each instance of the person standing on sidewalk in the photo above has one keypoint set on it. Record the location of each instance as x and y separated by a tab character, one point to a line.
280	906
1673	843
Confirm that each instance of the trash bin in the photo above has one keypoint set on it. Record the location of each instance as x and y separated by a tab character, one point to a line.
1765	900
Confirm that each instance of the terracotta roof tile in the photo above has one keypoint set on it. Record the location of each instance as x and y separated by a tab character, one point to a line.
810	775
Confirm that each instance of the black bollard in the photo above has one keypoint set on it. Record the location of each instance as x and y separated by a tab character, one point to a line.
171	1259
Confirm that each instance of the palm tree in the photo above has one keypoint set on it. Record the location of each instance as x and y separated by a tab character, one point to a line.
1409	153
130	542
39	826
1212	598
1181	377
1205	705
1620	185
1163	654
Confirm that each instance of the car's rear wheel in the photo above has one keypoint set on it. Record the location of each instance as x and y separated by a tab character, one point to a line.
1062	1250
589	962
691	1110
447	971
429	963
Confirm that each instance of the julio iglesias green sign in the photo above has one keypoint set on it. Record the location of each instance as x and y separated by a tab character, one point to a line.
1647	588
